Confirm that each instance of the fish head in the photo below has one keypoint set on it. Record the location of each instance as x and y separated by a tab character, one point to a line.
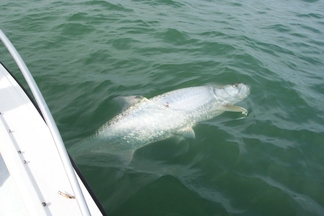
231	94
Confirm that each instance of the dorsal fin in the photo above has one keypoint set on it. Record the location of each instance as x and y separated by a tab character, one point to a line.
127	101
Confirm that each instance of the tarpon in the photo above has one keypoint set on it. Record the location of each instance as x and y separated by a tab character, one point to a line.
164	116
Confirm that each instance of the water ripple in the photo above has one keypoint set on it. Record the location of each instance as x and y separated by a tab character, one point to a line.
83	54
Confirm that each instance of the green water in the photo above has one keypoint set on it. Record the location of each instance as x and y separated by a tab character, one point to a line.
85	53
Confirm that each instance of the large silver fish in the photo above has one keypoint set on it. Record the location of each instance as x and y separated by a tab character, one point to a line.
171	114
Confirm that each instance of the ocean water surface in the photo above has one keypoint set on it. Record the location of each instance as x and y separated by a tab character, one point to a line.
83	54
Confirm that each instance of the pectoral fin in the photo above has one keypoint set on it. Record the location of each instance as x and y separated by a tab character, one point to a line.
232	108
187	133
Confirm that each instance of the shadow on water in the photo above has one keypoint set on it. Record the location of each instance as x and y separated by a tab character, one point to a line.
236	175
166	179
